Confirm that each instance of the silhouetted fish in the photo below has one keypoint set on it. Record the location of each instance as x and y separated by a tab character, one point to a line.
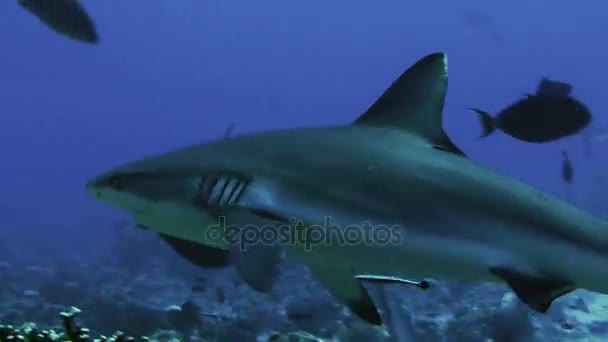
229	130
548	115
481	22
66	17
567	169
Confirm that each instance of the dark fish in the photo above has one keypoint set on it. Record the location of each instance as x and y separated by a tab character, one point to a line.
567	169
549	114
66	17
481	22
229	130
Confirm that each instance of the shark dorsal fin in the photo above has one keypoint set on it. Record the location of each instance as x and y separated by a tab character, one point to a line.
414	103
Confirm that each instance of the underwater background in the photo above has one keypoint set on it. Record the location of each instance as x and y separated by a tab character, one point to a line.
167	74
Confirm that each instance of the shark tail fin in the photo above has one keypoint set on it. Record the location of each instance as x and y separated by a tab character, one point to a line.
488	123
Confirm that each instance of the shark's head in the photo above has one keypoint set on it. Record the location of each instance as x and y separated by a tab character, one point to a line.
139	189
142	184
164	199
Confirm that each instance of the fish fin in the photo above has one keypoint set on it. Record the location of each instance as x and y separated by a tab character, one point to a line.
422	284
547	87
414	103
258	261
348	291
198	254
258	265
448	146
397	319
488	123
537	292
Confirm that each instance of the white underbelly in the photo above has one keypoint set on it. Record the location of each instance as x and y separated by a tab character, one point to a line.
183	222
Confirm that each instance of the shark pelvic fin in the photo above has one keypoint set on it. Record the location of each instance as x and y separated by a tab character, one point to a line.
537	292
198	254
414	103
348	291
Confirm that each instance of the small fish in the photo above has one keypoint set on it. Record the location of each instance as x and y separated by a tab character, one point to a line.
567	169
229	130
482	23
548	115
66	17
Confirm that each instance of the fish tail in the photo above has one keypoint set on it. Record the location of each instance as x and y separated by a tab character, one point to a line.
488	123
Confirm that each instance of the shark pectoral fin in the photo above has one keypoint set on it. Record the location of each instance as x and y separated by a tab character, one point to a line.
423	284
414	103
255	248
535	291
198	254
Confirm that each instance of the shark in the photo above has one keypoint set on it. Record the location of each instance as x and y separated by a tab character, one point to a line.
400	201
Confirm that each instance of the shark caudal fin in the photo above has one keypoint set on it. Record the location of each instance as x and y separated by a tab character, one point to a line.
414	103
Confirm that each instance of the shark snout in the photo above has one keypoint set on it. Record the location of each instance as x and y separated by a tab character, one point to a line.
92	188
109	189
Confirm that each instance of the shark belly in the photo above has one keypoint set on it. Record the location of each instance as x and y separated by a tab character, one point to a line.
185	222
415	256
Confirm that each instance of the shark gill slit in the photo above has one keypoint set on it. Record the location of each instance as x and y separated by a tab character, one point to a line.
219	191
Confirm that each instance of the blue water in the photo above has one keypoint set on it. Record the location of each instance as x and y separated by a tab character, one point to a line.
172	73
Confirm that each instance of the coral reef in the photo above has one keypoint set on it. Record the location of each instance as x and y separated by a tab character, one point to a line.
70	331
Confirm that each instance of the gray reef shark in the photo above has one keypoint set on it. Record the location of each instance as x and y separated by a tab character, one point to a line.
394	166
